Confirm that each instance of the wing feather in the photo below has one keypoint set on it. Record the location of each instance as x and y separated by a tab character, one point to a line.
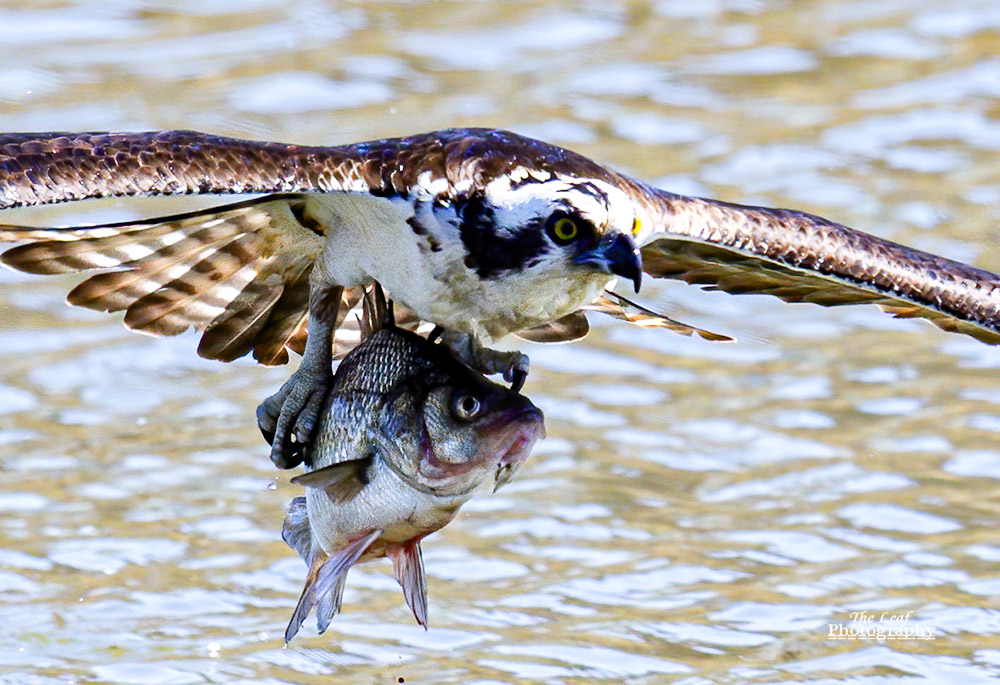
287	328
225	270
232	333
198	295
113	291
799	257
570	327
626	310
43	168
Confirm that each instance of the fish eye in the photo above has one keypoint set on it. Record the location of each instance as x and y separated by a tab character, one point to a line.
465	407
563	230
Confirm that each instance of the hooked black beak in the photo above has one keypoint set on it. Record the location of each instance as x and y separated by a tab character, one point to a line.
616	253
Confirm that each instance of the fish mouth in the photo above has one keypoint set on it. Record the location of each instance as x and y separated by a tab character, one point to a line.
521	429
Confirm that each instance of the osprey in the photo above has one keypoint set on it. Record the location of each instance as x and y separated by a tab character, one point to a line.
481	232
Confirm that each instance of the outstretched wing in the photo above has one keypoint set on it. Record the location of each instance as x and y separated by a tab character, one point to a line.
804	258
239	272
43	168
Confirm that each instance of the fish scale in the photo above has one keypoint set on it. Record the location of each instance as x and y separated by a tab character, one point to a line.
398	450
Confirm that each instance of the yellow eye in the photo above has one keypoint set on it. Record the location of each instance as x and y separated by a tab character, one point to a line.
564	230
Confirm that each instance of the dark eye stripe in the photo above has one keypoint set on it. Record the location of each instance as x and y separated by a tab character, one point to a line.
591	188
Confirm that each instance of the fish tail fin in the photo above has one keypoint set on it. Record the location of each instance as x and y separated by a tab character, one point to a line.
408	567
328	605
308	597
326	577
296	530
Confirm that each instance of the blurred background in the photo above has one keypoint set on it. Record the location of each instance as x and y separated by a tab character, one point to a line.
700	512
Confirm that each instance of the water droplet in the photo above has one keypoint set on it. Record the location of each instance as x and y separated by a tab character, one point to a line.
273	485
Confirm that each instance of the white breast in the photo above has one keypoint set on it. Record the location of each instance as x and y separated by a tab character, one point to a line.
369	239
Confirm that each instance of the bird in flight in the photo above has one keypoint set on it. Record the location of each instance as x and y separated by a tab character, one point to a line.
481	232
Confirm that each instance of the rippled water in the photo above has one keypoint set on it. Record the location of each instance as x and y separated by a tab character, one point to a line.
699	512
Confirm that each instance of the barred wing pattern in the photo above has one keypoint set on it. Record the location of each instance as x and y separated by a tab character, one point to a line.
799	257
239	272
43	168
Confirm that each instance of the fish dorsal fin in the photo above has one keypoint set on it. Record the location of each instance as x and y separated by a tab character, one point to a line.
295	531
341	481
376	311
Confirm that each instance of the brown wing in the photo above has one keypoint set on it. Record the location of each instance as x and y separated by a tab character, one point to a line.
42	168
238	272
570	327
804	258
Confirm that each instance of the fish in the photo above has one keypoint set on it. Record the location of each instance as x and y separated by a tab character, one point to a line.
406	436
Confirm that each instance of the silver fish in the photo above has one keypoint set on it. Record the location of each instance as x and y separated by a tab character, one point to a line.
407	435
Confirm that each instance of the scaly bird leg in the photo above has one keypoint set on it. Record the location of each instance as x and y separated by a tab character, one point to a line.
288	418
513	365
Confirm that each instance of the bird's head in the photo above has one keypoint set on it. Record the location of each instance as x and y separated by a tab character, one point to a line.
526	220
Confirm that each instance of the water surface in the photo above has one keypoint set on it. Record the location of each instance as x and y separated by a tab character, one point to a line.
698	513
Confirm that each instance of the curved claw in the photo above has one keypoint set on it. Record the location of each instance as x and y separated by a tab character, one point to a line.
517	369
288	418
517	378
267	417
513	365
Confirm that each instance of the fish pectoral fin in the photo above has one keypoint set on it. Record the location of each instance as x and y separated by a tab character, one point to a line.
326	577
408	566
296	531
342	481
